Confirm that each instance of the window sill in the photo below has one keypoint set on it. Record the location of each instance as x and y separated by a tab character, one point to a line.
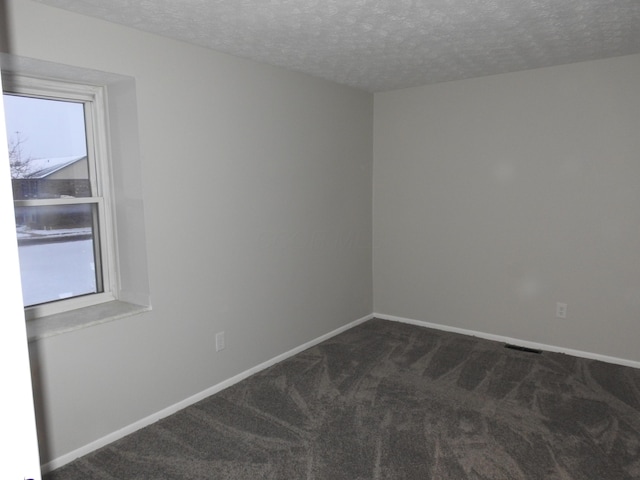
66	322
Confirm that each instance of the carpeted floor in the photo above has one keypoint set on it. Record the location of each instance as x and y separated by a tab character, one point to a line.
386	400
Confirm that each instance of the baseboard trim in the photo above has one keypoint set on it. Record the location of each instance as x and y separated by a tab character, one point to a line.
123	432
513	341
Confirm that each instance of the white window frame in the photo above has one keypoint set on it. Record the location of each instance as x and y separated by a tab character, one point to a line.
96	125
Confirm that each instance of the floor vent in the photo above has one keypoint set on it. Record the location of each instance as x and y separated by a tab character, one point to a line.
523	349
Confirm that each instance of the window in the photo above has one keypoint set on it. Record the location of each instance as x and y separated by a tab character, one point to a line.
60	177
103	205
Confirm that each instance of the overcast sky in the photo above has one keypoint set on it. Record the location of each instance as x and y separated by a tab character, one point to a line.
48	128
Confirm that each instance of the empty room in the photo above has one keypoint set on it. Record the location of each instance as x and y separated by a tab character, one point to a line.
321	240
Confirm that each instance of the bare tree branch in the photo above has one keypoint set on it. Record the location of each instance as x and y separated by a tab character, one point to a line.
20	164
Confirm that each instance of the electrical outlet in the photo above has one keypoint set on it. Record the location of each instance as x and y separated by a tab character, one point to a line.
219	341
561	310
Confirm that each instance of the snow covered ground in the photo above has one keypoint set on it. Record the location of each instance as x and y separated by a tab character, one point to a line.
57	270
25	233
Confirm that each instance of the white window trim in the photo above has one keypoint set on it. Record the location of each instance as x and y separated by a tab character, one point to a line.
96	121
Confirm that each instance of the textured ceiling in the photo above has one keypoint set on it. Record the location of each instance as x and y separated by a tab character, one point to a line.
379	45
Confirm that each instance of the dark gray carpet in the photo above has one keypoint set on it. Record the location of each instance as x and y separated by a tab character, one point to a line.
387	400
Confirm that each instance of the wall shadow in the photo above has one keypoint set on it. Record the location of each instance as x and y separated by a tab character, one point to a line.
39	402
5	28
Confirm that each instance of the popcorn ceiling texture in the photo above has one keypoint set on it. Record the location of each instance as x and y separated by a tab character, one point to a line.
379	45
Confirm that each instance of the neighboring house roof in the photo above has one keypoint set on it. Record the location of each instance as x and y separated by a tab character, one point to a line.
43	167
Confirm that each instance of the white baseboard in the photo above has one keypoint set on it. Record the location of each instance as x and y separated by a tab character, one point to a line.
112	437
512	341
123	432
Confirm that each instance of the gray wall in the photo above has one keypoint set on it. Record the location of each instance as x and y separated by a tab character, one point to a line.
257	195
495	198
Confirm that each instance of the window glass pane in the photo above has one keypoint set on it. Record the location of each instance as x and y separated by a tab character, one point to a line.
47	148
57	253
